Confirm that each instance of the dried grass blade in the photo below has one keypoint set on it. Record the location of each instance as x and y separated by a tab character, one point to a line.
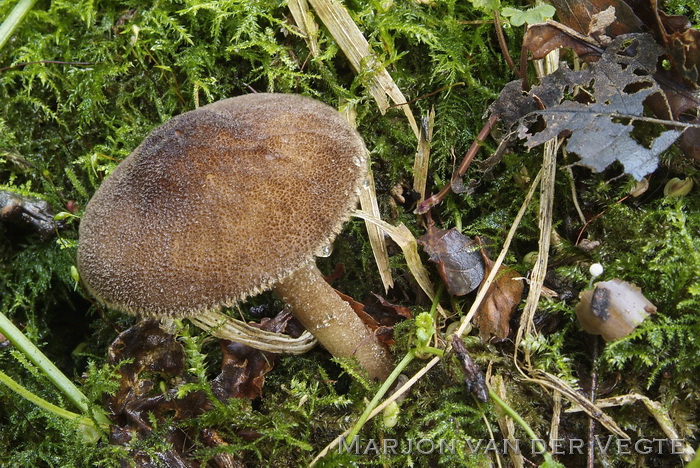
420	165
305	22
409	246
368	202
553	382
227	328
356	48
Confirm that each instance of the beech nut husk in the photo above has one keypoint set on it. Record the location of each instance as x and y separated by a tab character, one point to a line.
613	309
678	187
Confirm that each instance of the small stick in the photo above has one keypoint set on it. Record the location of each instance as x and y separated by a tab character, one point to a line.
591	421
502	43
427	204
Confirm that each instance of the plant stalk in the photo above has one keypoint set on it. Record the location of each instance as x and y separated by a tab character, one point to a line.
57	377
14	19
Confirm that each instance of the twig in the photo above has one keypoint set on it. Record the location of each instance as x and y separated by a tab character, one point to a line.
574	196
37	62
591	421
502	43
426	205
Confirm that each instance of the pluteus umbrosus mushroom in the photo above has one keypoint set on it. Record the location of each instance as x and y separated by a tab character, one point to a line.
223	202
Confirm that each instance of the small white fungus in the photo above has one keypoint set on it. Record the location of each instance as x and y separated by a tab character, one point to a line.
596	270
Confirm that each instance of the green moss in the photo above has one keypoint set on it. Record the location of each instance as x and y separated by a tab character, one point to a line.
82	83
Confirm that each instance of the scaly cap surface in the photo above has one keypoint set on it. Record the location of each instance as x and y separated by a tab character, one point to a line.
219	203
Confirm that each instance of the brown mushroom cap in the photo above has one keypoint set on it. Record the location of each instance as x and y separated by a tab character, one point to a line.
219	203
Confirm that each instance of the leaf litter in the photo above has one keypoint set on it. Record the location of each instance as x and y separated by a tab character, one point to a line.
597	106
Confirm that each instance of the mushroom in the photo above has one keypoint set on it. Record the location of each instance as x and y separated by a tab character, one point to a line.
223	202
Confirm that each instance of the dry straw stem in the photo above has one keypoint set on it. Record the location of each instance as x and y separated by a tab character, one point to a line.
553	382
356	49
420	165
228	328
527	328
505	423
368	203
304	20
657	411
556	418
549	168
409	246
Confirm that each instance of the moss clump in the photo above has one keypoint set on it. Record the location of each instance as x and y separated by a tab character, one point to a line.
82	83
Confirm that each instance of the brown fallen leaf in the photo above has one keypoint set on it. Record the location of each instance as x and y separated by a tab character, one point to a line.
150	382
243	368
394	311
493	316
156	357
457	257
383	331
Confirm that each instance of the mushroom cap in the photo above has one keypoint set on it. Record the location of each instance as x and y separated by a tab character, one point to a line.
220	203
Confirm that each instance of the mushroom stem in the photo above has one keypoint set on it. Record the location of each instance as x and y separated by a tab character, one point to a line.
332	321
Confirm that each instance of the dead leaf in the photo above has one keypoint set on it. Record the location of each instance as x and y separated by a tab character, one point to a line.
582	14
540	39
150	380
473	377
383	331
681	51
394	309
601	125
156	356
502	298
457	257
243	368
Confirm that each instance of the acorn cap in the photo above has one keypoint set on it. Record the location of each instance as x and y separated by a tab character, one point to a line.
220	203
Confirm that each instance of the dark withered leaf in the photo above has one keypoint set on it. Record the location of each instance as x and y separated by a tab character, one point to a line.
579	14
618	83
512	104
29	214
502	298
155	356
681	50
243	371
457	257
473	377
152	352
243	368
394	309
149	387
383	330
540	39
